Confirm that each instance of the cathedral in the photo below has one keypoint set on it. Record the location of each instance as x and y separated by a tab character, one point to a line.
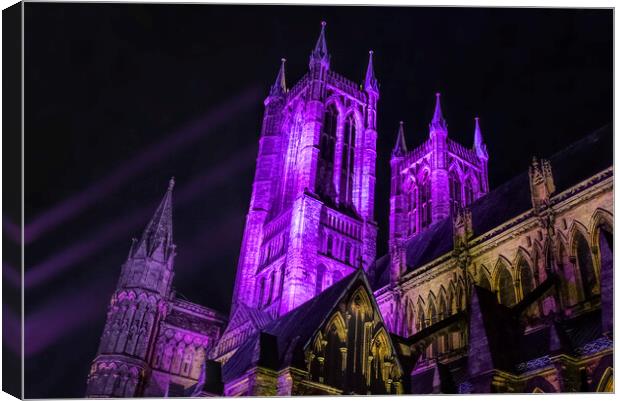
482	290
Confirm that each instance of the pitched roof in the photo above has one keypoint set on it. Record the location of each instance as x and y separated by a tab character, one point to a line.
299	324
294	329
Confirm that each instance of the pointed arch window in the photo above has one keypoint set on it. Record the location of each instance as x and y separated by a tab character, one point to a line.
320	273
348	161
506	287
271	287
586	266
468	190
261	291
455	192
282	271
412	210
526	277
425	201
327	145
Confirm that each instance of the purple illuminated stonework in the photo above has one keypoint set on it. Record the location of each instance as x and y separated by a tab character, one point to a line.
481	290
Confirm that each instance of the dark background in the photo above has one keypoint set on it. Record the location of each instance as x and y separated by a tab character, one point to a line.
104	83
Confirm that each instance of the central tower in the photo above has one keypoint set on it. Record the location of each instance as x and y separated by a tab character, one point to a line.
311	219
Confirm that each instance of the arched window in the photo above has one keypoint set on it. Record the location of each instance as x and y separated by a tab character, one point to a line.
506	287
291	159
282	271
469	192
271	287
421	322
347	254
484	280
330	245
455	192
412	210
320	273
586	267
348	162
526	277
432	312
261	291
425	201
327	147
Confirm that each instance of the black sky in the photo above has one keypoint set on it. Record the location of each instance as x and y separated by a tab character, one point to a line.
105	81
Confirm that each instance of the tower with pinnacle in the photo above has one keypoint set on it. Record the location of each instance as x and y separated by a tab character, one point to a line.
140	302
432	182
311	219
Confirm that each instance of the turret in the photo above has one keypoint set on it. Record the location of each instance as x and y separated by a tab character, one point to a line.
440	191
136	309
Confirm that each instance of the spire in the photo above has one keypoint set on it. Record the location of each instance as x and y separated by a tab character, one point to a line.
479	146
370	83
279	87
438	123
319	54
158	233
400	148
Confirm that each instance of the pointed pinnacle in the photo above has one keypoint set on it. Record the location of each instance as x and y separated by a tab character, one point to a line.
370	83
400	147
319	53
279	86
438	123
159	229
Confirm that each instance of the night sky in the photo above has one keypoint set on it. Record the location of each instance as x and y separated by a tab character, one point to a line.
119	98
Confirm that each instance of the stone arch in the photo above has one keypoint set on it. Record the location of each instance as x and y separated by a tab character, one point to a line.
421	322
504	282
410	315
338	323
606	384
431	308
360	300
444	311
483	278
581	255
525	272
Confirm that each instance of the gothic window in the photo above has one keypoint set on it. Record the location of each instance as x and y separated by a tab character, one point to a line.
330	245
585	265
327	147
506	286
320	273
413	210
291	159
281	288
484	280
347	254
432	312
469	192
425	201
421	322
271	287
526	277
261	292
455	191
348	161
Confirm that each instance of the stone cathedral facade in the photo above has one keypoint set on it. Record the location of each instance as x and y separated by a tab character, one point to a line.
482	290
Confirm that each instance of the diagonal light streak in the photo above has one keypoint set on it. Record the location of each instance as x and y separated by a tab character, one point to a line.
81	201
82	249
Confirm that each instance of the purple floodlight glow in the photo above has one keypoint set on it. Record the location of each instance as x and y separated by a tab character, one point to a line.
76	204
